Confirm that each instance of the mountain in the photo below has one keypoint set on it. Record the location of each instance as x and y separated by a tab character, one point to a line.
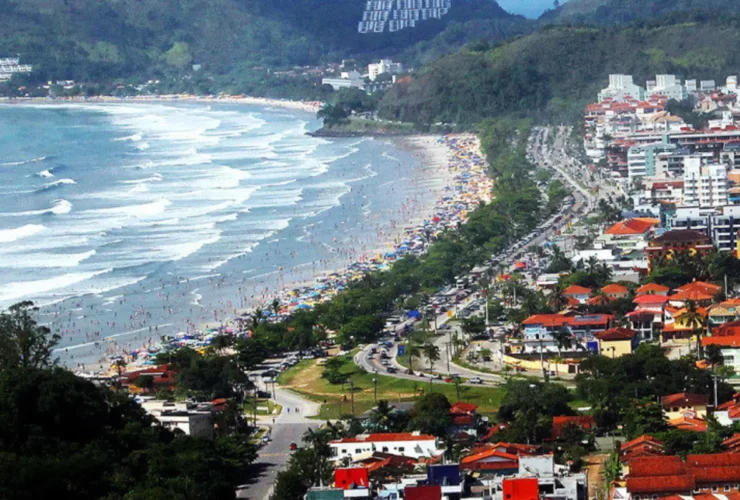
553	72
626	11
97	39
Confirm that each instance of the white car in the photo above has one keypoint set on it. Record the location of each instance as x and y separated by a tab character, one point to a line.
475	380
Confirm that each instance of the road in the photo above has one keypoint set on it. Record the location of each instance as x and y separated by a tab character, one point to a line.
288	427
568	169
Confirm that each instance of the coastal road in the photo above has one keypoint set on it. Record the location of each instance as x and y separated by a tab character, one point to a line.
273	457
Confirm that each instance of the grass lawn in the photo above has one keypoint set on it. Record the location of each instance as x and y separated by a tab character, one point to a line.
305	379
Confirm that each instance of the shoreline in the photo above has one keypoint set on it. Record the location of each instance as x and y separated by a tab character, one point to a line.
306	106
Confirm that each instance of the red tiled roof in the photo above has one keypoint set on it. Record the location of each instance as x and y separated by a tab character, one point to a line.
490	453
463	420
577	290
552	320
721	341
693	295
632	226
688	424
615	289
684	399
717	474
657	466
645	438
595	301
683	236
461	408
618	333
652	288
661	484
713	460
583	421
701	286
650	299
385	437
731	441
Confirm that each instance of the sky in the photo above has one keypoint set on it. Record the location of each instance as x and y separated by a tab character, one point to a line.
529	8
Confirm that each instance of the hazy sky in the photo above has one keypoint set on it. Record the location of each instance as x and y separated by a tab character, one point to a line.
529	8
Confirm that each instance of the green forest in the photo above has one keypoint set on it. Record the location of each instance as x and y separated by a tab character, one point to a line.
626	11
98	40
552	73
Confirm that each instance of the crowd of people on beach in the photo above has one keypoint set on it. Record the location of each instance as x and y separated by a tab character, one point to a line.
470	184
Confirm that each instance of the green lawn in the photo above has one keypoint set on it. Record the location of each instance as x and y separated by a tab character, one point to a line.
306	380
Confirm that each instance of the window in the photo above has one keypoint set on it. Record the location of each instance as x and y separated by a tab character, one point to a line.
358	450
344	452
401	449
727	487
715	488
697	491
385	449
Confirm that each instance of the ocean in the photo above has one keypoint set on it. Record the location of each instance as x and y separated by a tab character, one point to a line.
126	222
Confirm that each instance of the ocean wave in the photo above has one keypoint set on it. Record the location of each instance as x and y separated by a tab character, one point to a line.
21	289
10	235
19	163
56	184
153	178
45	173
58	207
132	138
142	210
45	260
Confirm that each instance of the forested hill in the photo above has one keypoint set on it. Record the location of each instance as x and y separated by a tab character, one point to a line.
626	11
555	71
92	40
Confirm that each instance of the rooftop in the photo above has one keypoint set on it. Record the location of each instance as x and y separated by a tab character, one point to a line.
632	226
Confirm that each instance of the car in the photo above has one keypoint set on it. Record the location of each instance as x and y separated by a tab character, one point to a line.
270	373
264	394
370	356
268	380
390	369
293	446
475	380
385	362
420	374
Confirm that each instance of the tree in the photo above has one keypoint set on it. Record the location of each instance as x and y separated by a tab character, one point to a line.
431	352
564	339
23	343
412	351
695	320
473	326
644	416
382	415
485	354
713	356
431	415
529	408
221	342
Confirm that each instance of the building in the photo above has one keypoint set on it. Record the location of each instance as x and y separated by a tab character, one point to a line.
542	326
699	476
647	316
498	458
685	404
704	186
642	159
187	417
578	293
10	66
629	234
539	477
617	342
721	224
621	88
643	446
585	422
408	444
615	291
670	87
348	79
669	243
385	66
464	420
353	481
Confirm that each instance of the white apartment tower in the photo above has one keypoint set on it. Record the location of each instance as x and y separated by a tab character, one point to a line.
384	66
620	87
704	186
669	86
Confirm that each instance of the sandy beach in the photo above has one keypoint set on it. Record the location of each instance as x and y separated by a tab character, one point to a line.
307	106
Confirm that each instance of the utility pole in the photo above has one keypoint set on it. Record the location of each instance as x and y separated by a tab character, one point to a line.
448	356
714	376
255	407
375	383
542	363
352	394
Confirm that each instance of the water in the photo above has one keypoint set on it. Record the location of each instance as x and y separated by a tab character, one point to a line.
130	221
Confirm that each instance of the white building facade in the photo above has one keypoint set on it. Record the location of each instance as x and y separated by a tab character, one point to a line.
620	87
414	445
704	185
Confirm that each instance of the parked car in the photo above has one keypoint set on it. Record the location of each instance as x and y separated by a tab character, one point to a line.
264	394
293	446
475	380
390	369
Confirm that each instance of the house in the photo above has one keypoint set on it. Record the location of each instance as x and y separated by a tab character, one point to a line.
699	476
615	291
585	422
671	242
732	444
498	458
685	404
729	346
677	324
448	478
728	412
464	419
616	342
324	493
629	234
163	378
643	446
685	423
577	293
408	444
648	314
539	477
542	326
355	482
701	287
653	288
186	417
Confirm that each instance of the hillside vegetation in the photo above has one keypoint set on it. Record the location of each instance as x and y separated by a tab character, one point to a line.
552	73
92	40
626	11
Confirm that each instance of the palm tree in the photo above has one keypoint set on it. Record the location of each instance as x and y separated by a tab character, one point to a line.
412	351
257	318
592	264
696	322
275	306
485	353
220	343
564	339
431	352
382	414
557	301
120	364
